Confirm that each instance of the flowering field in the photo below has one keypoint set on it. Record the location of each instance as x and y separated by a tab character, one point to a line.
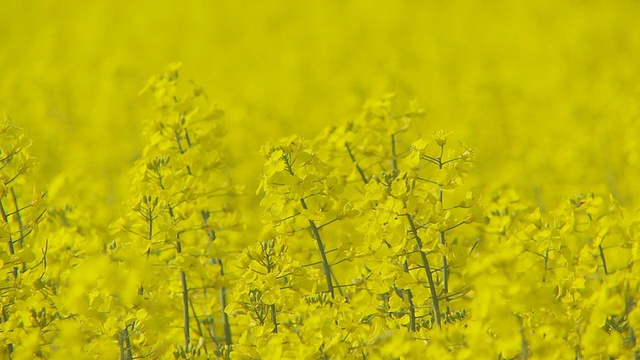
320	179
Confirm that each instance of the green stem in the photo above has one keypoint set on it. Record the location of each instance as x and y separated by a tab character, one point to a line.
212	334
195	316
316	234
11	248
427	269
546	265
353	158
268	263
185	301
443	240
335	279
5	318
150	228
412	307
274	319
18	218
604	261
177	138
393	152
524	348
223	304
126	353
325	262
628	307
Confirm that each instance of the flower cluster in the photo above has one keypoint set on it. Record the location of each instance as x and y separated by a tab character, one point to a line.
359	231
27	310
175	234
373	244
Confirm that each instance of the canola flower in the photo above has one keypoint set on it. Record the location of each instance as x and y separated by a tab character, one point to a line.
372	246
314	214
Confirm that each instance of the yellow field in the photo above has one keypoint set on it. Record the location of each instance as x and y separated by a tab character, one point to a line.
319	179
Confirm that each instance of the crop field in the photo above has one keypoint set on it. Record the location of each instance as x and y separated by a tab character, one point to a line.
319	179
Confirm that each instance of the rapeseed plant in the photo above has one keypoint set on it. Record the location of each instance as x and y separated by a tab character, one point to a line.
372	245
380	237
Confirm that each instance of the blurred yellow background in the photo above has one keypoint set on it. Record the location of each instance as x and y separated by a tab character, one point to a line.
547	92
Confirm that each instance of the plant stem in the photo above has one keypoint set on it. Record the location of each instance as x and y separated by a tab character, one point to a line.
443	241
316	234
11	248
524	348
185	301
126	353
412	307
628	307
150	229
195	316
393	152
18	218
427	269
272	307
604	261
353	158
274	319
546	265
5	318
325	262
223	304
